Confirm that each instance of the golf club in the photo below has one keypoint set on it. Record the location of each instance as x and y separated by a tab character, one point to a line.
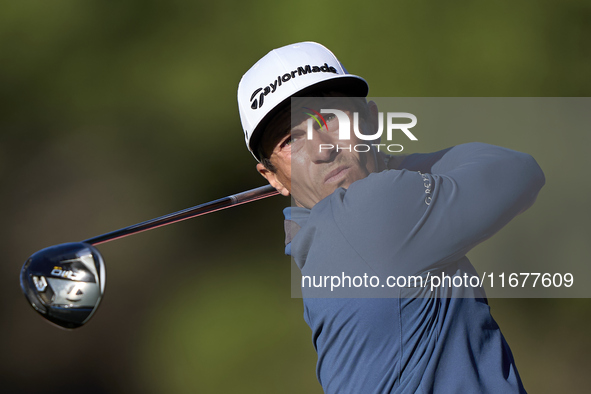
65	283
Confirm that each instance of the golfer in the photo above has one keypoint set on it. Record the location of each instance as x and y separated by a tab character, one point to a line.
361	213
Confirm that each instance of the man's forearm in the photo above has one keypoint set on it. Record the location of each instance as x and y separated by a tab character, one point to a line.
477	189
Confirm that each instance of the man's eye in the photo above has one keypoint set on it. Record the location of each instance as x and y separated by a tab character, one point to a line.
286	142
293	141
330	117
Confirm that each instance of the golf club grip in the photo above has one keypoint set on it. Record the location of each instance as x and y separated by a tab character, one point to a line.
208	207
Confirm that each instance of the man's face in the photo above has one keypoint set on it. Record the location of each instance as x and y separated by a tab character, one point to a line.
311	169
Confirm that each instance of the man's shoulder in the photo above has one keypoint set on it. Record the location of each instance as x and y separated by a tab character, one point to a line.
388	186
383	198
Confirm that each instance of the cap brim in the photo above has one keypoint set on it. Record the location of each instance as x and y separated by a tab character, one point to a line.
351	85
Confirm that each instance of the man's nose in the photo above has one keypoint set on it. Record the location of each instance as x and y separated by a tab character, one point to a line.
323	146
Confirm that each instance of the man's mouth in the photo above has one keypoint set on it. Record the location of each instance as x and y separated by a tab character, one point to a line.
336	175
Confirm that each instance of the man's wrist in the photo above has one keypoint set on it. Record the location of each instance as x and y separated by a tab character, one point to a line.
392	162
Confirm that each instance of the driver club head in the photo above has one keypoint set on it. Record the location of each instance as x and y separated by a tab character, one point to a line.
65	283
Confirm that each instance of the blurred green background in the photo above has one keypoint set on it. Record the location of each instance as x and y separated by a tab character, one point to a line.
116	112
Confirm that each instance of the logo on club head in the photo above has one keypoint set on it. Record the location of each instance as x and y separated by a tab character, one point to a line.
75	293
65	273
40	283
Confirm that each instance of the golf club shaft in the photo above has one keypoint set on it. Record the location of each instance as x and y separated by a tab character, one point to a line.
208	207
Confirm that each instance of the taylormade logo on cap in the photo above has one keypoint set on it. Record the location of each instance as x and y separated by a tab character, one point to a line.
272	87
295	68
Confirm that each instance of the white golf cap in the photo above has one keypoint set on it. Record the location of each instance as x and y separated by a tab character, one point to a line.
284	72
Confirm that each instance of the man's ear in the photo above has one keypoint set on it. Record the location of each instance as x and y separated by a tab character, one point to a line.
271	177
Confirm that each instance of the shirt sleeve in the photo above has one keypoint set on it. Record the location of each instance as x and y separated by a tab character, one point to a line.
437	207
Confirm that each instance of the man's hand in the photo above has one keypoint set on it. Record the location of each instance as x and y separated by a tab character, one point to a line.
393	162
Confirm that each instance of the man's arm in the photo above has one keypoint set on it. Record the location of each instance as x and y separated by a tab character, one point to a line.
495	165
475	189
481	188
